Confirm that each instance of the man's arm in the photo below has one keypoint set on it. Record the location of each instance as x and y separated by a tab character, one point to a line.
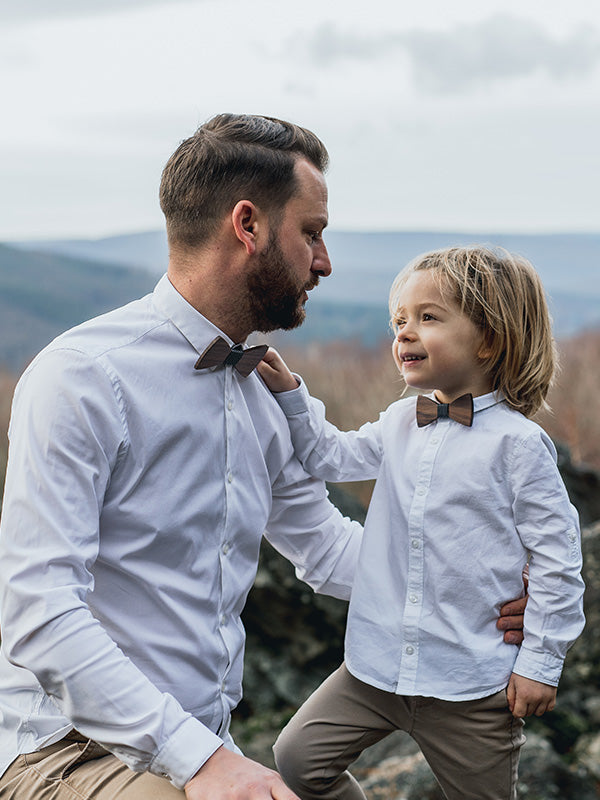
66	434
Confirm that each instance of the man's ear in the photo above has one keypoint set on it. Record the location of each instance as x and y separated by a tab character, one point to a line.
246	225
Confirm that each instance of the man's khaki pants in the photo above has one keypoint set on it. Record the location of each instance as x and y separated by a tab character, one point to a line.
472	746
78	769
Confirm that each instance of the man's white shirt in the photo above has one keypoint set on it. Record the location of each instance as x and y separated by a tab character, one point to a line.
137	493
455	514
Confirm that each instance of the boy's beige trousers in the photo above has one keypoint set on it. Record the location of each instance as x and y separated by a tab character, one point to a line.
471	746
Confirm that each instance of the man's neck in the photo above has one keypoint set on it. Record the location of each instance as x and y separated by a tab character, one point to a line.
214	291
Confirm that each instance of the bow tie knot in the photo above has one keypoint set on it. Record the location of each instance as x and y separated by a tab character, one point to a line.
220	354
460	410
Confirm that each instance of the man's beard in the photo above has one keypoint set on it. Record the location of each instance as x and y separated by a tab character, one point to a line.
275	300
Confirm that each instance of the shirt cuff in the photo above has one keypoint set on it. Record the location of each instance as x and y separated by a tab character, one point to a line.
296	401
541	667
186	751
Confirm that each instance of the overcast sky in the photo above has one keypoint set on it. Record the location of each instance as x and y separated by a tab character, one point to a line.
476	115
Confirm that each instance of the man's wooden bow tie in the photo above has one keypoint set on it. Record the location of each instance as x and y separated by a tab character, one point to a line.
460	410
219	353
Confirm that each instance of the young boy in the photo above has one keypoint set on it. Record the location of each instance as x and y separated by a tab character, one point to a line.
467	489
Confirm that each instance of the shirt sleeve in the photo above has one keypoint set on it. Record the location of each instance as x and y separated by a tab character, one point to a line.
548	526
325	451
67	434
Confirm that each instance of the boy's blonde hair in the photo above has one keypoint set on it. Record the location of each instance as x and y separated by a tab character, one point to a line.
502	294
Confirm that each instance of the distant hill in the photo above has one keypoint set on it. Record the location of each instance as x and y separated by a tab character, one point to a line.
48	286
43	294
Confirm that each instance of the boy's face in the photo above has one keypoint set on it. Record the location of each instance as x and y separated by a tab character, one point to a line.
436	345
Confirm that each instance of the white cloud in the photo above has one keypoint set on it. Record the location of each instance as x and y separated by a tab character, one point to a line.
496	49
25	11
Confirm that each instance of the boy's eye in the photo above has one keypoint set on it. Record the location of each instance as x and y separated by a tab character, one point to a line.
427	317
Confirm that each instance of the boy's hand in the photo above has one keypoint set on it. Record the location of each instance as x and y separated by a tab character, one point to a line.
275	373
527	697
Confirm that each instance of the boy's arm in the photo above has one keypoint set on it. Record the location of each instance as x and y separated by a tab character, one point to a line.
324	451
548	527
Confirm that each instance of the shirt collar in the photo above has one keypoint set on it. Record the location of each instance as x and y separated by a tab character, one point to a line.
198	330
487	400
481	402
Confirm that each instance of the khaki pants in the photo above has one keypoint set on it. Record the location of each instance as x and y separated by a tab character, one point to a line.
78	769
472	747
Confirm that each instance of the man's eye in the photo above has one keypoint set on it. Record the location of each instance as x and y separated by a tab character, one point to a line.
315	235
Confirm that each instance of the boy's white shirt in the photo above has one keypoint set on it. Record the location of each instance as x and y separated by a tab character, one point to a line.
454	515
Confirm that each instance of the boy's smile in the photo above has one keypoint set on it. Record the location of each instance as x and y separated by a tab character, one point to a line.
436	345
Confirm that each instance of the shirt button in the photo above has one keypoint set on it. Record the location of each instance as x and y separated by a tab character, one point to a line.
435	440
222	619
572	536
226	548
229	477
230	405
410	650
223	686
415	544
421	491
413	598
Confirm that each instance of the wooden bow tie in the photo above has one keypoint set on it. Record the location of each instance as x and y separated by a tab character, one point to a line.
460	410
219	353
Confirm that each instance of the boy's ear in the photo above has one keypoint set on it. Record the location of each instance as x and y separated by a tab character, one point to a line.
245	222
485	350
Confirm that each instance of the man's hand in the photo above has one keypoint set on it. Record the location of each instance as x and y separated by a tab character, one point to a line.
229	776
526	696
511	615
275	373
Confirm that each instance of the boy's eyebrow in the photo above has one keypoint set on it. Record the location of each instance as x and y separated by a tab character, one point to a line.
425	304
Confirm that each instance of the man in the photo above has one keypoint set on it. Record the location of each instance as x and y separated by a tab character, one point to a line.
143	471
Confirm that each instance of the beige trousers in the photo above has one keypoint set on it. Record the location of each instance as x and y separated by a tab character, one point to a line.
472	747
78	769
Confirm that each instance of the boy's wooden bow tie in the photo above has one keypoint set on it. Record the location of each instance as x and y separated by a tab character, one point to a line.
219	353
460	410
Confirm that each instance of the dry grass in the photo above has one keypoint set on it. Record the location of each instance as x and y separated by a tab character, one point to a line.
7	388
356	383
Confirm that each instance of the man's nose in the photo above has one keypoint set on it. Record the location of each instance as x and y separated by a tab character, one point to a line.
321	264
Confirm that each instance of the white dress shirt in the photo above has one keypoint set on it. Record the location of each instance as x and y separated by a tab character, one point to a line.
137	493
454	514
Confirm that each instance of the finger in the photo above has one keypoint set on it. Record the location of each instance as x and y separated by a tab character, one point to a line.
281	792
513	637
516	608
509	622
510	696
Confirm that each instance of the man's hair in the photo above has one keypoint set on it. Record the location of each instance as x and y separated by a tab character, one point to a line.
232	157
501	293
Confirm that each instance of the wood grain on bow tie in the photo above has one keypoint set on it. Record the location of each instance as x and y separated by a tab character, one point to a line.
218	353
460	410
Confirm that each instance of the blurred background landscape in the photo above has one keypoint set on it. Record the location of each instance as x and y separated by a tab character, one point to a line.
343	351
447	123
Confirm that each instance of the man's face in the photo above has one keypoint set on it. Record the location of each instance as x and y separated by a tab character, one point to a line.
294	258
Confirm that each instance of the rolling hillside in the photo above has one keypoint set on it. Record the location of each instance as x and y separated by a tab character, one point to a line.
46	287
